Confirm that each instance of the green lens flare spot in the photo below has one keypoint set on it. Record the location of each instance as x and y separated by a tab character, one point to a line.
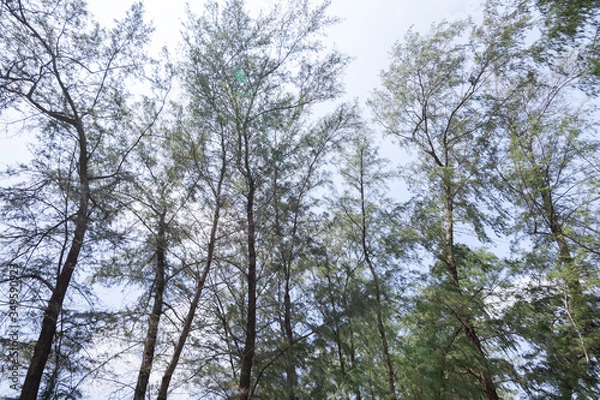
240	76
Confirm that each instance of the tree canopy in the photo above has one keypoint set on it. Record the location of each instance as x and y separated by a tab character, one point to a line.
220	224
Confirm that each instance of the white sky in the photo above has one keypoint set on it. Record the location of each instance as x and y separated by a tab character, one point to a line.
367	33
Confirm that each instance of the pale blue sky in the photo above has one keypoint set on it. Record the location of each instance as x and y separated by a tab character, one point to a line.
367	32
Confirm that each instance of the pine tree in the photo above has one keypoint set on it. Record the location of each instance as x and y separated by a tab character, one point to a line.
434	102
547	172
67	76
253	80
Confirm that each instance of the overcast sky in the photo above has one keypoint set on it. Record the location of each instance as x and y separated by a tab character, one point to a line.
367	32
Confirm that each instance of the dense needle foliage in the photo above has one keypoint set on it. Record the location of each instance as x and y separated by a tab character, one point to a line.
220	225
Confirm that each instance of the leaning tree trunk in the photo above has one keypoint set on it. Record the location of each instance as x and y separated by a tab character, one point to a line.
43	345
187	325
486	382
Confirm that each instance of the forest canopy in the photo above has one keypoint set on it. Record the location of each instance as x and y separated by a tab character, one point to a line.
219	223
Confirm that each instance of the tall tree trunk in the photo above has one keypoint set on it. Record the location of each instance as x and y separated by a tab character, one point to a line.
486	382
153	321
564	252
581	313
387	359
290	361
287	255
337	330
244	390
43	345
187	325
248	352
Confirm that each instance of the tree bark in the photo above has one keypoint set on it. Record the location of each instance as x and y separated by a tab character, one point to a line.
153	321
290	372
187	326
244	391
248	352
43	345
486	382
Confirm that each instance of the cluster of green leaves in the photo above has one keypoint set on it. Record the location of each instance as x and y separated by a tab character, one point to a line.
259	249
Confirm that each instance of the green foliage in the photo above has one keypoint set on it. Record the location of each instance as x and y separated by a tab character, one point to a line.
568	17
571	28
548	177
438	360
483	285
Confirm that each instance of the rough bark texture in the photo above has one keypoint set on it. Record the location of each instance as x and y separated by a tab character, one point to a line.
43	345
153	321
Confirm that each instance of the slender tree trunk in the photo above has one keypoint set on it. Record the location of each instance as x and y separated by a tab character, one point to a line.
580	312
286	261
244	390
380	324
486	382
564	251
43	345
337	331
187	326
387	359
291	376
449	235
248	352
153	321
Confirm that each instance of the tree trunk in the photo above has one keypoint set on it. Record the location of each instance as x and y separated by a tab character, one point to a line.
582	315
153	321
290	372
43	345
287	255
488	386
248	352
187	326
378	298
